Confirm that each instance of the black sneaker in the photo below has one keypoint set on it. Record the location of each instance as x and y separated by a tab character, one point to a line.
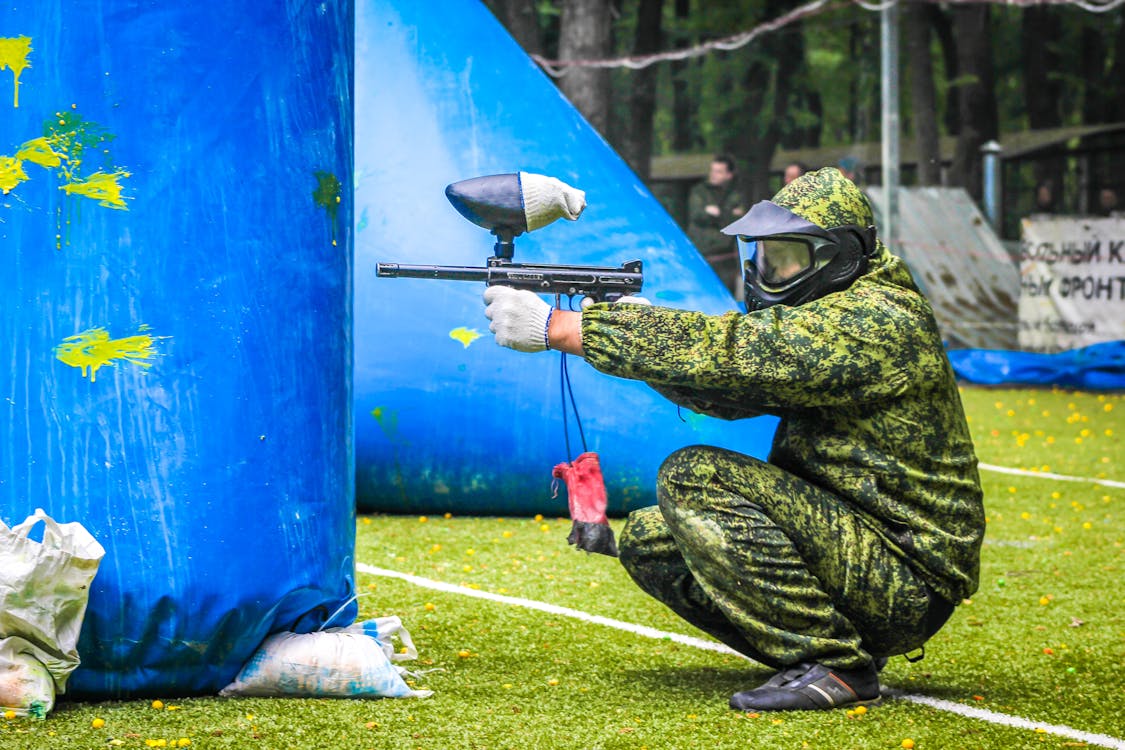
808	687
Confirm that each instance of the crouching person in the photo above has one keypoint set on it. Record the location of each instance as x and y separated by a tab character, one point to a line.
863	531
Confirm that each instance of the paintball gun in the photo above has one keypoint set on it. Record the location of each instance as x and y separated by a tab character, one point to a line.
508	205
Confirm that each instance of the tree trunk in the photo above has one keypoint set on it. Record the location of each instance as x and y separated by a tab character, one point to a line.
768	86
924	120
804	111
1095	101
637	146
584	34
1116	109
807	102
683	104
814	132
853	85
942	26
1041	92
521	20
977	98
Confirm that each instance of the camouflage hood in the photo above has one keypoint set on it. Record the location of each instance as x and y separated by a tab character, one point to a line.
828	199
823	204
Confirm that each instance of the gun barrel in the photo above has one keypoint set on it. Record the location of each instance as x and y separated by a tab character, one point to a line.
453	273
602	284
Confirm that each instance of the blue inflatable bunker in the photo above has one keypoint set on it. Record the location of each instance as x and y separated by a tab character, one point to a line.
445	419
175	320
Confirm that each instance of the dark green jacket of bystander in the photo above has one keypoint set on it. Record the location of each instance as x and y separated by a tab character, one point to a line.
705	229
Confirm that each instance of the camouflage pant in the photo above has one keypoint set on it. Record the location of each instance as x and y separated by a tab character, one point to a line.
777	568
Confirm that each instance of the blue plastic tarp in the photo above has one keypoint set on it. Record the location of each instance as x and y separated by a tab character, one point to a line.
1096	367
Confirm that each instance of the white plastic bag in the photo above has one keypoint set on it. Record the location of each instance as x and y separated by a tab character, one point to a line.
351	662
44	588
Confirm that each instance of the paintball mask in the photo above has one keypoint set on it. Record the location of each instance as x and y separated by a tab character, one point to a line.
789	260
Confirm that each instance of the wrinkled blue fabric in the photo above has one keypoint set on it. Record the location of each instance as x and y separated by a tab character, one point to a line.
1095	367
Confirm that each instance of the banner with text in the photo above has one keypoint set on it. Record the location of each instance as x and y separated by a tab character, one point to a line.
1072	282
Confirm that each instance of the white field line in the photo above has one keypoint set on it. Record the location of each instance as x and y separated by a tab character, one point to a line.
553	609
1049	475
971	712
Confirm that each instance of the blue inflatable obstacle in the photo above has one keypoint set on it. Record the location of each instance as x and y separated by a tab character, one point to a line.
446	420
174	320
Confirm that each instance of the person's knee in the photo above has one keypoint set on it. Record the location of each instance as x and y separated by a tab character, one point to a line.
684	461
683	474
699	476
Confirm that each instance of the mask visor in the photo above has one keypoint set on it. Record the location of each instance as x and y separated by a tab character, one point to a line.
779	261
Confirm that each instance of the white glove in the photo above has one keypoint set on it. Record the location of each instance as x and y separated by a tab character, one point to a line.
547	198
519	318
630	300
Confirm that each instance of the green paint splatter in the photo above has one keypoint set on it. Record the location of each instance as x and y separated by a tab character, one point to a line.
362	221
388	421
72	136
327	196
78	151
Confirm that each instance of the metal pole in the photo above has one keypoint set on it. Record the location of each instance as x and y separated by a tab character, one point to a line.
889	49
991	151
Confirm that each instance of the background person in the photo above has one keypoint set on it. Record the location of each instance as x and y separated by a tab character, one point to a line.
792	171
850	167
1044	198
712	204
1107	202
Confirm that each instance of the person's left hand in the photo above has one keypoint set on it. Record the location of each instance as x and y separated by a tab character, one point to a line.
629	299
519	318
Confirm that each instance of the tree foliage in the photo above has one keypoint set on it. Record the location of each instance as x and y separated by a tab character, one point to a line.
970	71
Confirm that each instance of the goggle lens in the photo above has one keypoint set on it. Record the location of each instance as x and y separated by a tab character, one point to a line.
781	260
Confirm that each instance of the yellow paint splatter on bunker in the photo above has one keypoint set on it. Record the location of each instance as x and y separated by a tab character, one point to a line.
102	187
39	151
11	173
68	139
465	335
14	52
94	348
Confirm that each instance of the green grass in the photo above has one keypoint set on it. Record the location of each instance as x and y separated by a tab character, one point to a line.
1043	638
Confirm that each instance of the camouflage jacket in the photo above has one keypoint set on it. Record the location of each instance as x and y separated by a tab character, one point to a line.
868	403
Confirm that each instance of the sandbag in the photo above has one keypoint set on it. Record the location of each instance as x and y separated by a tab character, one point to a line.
44	589
351	662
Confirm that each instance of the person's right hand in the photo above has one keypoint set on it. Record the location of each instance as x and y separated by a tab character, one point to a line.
712	210
519	318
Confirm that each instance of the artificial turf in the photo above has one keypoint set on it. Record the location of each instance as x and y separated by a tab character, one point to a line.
1043	638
